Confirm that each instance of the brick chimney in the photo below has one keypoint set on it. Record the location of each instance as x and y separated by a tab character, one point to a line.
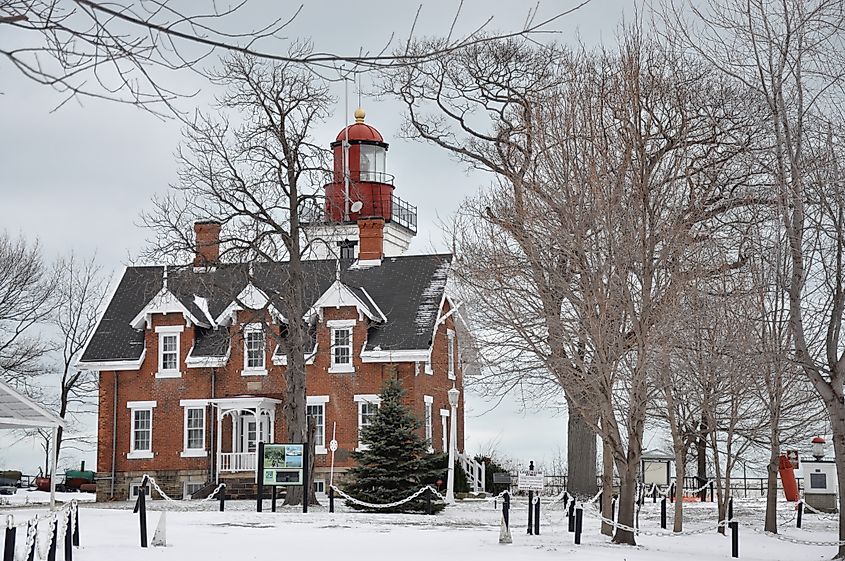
371	234
208	243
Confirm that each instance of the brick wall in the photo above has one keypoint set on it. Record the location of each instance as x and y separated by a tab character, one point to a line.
196	383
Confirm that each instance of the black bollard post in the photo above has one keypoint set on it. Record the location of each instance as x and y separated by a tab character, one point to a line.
141	508
9	543
75	524
734	526
530	512
712	493
571	515
800	513
222	496
579	513
537	514
273	499
730	508
663	513
506	506
331	499
51	553
69	536
565	500
428	501
654	494
672	493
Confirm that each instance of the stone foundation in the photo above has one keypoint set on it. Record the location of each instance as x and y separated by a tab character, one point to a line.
172	482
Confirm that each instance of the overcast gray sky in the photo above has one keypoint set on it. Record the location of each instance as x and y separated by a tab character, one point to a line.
78	178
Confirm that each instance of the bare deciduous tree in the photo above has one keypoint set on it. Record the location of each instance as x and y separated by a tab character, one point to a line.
613	175
26	285
791	55
125	50
255	169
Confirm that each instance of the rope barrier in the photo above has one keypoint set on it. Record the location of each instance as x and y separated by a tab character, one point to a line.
409	498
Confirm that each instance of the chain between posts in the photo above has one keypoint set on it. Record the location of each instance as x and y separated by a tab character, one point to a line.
656	534
798	541
409	498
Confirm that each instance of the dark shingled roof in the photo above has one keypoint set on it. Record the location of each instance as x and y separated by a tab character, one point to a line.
407	289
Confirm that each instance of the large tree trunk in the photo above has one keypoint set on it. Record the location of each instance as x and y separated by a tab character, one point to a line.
701	456
771	523
580	455
606	487
836	410
625	504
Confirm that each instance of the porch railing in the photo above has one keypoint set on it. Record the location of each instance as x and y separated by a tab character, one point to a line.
476	472
238	461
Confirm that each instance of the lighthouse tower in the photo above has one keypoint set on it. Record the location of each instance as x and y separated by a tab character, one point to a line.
361	217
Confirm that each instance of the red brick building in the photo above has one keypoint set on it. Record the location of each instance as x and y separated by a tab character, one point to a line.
190	381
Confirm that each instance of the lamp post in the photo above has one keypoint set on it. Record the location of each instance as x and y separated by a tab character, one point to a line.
454	393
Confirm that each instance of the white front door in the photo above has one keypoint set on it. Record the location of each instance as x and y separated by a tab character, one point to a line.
248	431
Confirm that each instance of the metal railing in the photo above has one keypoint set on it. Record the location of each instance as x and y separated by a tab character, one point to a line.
392	208
238	461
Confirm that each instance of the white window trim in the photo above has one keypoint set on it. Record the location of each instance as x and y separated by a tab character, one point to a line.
334	324
137	484
322	482
450	354
247	371
444	427
428	411
139	406
319	400
428	369
359	399
193	452
185	484
163	330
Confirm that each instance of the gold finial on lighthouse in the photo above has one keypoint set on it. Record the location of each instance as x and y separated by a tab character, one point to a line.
360	114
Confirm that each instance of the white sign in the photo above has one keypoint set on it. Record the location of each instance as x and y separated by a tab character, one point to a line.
333	445
529	481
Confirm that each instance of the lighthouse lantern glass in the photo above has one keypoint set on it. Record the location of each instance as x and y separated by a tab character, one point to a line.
373	162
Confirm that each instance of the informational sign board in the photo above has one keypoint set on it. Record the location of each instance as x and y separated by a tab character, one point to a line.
792	455
529	481
282	464
502	478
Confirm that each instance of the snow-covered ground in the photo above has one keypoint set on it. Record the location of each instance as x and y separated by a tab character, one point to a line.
33	497
469	530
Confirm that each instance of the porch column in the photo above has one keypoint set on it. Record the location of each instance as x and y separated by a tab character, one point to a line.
219	441
273	425
236	429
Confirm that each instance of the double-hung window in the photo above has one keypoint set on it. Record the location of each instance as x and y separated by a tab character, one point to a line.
368	405
194	434
141	429
450	354
341	350
315	409
168	350
429	424
254	350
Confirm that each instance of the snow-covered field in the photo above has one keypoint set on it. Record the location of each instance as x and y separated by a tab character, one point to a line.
468	530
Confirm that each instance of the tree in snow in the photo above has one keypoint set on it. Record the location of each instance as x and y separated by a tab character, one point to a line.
394	461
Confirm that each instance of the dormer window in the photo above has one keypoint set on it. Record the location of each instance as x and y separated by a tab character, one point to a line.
254	351
346	249
168	351
341	349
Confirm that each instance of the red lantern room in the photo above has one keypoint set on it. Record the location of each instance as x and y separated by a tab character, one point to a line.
368	183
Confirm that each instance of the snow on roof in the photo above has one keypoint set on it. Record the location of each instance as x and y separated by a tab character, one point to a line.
431	299
18	411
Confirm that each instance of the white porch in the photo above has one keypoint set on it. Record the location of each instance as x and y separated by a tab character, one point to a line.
251	420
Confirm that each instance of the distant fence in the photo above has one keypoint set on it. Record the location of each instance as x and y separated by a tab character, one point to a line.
741	487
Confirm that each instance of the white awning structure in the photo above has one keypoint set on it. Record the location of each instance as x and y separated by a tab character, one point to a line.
20	412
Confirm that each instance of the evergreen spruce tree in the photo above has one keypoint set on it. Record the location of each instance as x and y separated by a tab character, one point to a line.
396	461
